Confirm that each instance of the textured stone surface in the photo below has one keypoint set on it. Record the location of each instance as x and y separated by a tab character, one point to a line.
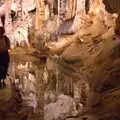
61	109
112	6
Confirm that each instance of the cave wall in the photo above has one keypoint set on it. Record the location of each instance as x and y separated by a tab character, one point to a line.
114	7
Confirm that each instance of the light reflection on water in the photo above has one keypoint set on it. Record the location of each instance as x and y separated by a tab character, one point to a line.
25	73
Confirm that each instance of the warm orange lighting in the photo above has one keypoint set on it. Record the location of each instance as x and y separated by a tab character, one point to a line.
14	7
96	10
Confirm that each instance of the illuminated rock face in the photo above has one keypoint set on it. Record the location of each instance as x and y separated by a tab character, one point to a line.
73	15
70	9
19	37
2	10
69	15
61	109
94	11
28	6
79	20
66	10
61	11
16	16
40	13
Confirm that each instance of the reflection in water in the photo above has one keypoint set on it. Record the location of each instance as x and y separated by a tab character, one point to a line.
27	88
25	81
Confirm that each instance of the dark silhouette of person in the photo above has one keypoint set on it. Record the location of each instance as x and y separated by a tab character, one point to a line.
4	56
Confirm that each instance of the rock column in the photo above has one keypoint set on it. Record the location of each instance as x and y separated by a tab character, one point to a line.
40	13
61	11
79	19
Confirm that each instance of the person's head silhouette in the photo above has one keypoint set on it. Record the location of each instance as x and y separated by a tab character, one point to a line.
2	31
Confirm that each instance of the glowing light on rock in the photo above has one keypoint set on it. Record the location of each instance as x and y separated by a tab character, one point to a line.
14	7
97	10
2	10
0	23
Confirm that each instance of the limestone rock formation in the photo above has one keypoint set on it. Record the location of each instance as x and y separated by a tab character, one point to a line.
2	10
40	16
59	110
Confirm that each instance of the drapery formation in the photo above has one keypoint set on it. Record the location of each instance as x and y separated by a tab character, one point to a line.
66	10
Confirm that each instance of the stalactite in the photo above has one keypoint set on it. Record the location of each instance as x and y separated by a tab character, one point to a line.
79	20
61	11
8	19
40	13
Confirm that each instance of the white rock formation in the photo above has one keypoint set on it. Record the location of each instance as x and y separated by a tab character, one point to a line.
20	37
62	108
